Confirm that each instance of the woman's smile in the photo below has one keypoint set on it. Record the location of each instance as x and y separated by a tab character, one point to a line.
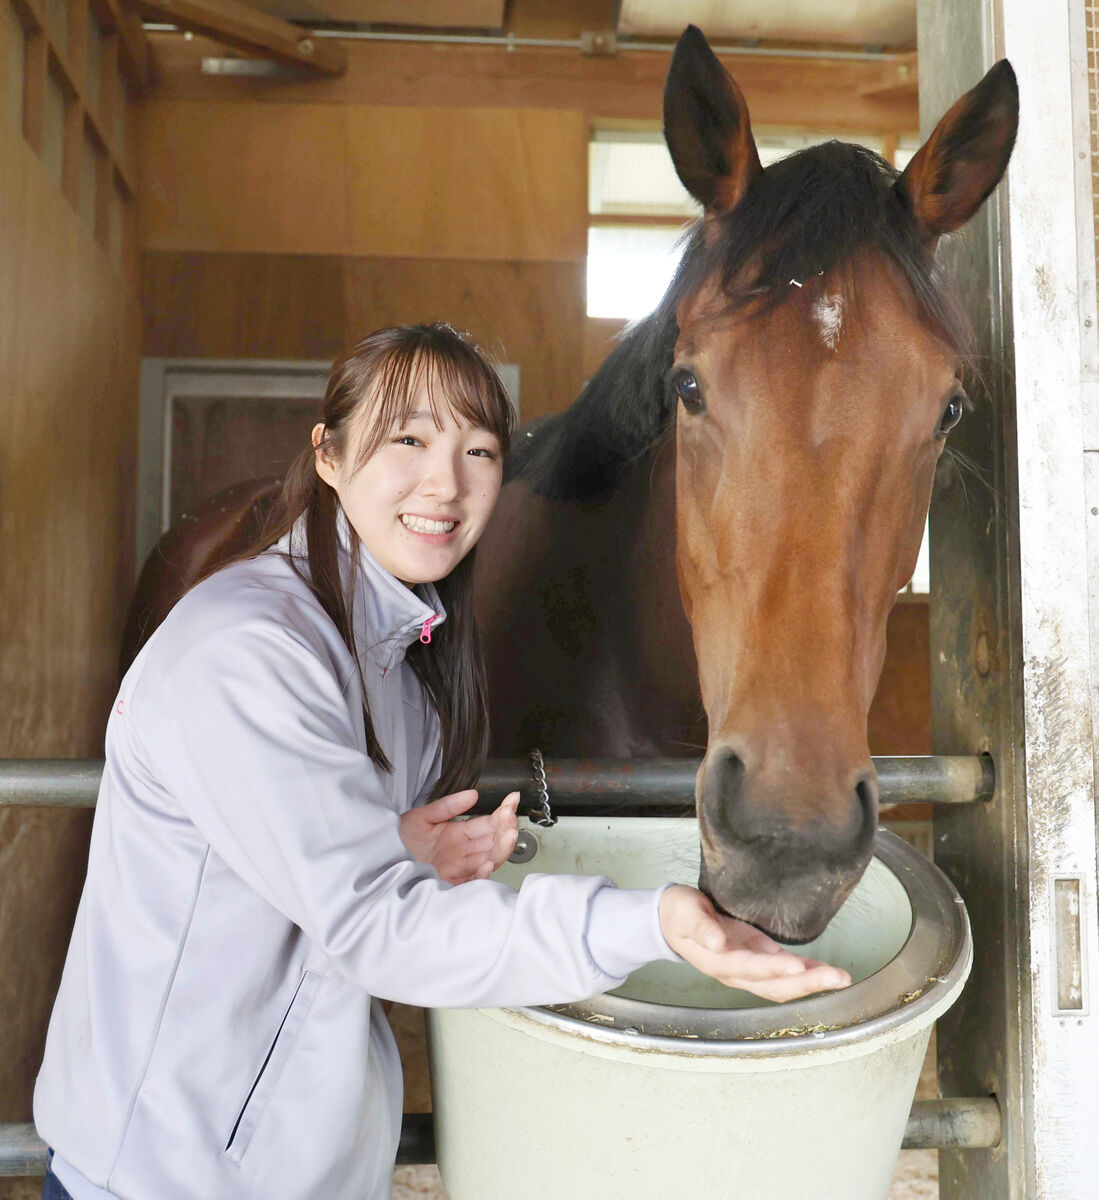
437	528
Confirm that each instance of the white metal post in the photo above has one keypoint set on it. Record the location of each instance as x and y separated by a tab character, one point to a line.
1021	577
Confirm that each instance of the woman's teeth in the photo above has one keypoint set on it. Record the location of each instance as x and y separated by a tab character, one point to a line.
423	525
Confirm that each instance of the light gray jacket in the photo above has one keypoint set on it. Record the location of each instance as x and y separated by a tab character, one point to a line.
248	894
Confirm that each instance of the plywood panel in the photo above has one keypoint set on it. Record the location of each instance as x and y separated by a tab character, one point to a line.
900	717
259	306
229	177
600	335
356	180
69	355
243	306
468	183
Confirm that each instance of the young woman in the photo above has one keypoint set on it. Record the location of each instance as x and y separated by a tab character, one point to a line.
273	849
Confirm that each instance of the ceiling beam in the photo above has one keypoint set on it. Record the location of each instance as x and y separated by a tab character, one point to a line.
135	55
244	28
819	93
897	80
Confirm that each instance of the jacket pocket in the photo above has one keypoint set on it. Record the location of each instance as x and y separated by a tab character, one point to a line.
263	1086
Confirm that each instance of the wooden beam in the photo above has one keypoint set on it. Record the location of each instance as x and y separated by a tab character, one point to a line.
234	24
35	69
135	53
29	13
898	80
821	94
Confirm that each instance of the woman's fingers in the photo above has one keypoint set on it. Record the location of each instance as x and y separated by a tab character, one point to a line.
737	954
446	808
792	987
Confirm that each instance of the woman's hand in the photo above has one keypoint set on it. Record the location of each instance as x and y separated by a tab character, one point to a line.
461	850
737	954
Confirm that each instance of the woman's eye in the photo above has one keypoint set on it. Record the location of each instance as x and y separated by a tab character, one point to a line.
952	414
686	388
406	439
483	452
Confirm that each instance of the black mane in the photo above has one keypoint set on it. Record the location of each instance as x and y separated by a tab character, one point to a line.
803	216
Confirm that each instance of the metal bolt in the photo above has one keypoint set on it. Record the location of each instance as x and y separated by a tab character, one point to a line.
526	847
982	655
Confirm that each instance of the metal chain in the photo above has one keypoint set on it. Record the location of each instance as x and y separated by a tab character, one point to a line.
540	812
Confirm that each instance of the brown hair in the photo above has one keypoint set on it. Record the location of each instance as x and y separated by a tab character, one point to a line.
383	373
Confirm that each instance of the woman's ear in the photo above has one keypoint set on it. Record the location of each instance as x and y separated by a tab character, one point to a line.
325	464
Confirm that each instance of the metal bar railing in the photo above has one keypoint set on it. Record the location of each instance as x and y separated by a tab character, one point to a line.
577	786
962	1124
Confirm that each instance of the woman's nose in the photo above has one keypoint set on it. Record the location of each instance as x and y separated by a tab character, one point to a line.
443	480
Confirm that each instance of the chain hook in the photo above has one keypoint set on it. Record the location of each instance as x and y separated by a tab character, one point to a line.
540	812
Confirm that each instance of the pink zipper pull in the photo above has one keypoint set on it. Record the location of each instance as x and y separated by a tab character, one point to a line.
425	629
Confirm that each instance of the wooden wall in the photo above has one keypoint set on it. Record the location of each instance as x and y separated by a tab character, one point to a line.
70	346
290	230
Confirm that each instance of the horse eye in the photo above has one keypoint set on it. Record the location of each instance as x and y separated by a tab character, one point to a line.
952	414
687	389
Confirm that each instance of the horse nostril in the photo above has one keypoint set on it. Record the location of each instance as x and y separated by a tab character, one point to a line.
867	792
722	792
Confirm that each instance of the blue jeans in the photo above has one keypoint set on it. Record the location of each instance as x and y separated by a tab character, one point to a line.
52	1187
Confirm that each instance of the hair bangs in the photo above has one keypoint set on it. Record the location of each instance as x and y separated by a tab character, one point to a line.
440	365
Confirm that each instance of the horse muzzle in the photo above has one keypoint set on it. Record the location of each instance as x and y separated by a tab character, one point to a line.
778	853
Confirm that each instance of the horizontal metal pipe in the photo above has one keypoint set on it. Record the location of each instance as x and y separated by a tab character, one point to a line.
650	785
955	1124
22	1151
508	41
958	1124
577	786
54	782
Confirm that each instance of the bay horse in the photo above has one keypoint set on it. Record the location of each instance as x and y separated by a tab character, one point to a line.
703	551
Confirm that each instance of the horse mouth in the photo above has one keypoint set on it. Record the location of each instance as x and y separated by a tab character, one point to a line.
798	913
773	927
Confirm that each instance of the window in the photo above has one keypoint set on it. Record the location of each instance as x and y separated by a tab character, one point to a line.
638	212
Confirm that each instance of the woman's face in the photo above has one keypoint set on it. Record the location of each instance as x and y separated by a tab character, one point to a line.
423	498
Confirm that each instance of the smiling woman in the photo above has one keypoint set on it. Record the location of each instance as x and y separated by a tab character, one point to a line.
291	746
429	491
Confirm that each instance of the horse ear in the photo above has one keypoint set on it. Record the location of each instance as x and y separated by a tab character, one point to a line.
706	126
954	171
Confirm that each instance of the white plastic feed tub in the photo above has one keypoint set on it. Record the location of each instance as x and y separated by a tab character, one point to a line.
674	1086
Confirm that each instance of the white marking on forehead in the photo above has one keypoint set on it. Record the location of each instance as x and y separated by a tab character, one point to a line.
828	314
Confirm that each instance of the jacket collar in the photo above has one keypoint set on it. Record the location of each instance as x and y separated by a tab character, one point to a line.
387	616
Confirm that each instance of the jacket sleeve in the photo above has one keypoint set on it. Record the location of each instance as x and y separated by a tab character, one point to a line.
252	735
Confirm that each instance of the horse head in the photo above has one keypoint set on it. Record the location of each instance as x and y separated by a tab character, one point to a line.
817	371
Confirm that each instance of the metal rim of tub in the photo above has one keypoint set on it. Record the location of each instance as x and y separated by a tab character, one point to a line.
926	974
